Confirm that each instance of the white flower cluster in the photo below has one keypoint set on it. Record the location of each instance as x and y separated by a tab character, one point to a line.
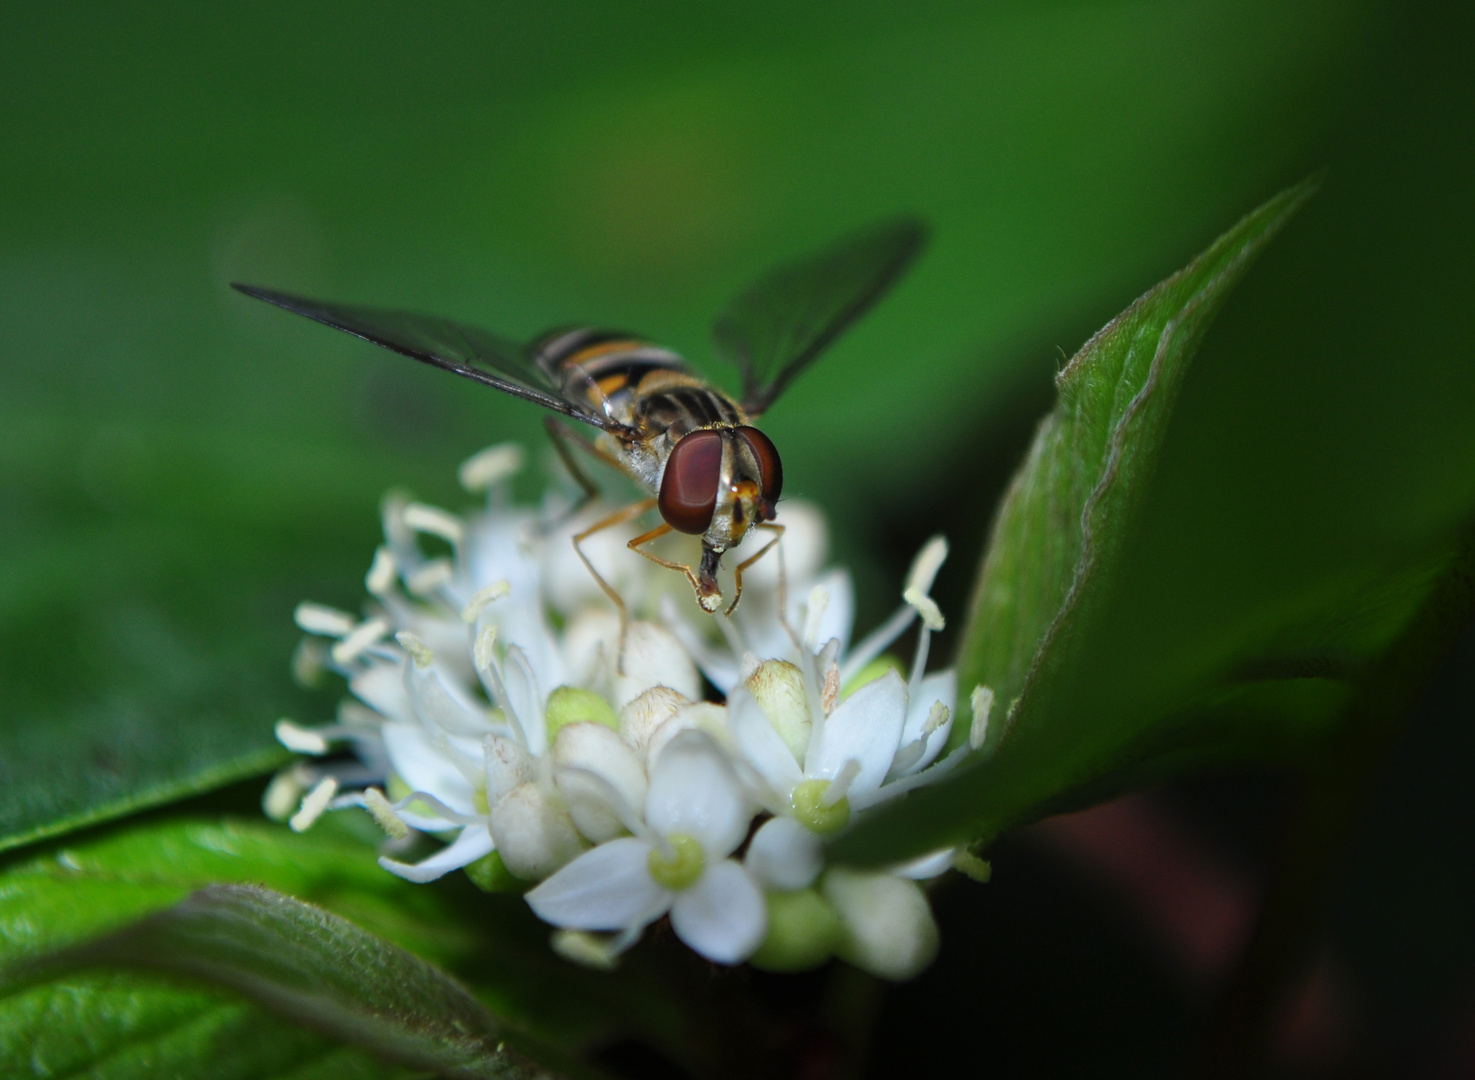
497	707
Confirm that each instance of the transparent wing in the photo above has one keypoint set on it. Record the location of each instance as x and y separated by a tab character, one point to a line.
786	319
452	346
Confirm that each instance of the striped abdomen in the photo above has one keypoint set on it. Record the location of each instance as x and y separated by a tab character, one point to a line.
634	382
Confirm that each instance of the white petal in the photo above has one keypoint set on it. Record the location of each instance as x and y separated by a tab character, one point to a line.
508	766
534	832
698	716
654	657
717	664
608	888
695	791
525	698
436	705
939	686
839	616
889	930
590	642
474	842
382	688
722	916
866	728
784	855
760	745
928	866
423	767
592	746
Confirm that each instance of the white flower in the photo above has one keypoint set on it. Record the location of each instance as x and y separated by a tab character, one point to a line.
815	760
455	670
695	815
498	706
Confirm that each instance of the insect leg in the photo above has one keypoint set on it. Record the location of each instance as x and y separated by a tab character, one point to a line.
563	438
634	510
655	534
737	572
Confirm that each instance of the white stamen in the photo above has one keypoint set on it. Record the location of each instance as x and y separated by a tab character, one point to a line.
926	565
481	598
926	607
840	786
597	951
437	807
417	648
814	611
380	578
321	619
365	635
486	642
309	660
939	714
487	468
282	795
430	577
436	522
300	740
877	642
314	804
983	704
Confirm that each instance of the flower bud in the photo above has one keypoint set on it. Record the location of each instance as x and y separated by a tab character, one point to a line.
654	657
640	719
534	832
597	749
778	687
803	932
572	705
888	927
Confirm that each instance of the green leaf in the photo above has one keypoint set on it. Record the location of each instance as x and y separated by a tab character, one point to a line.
1067	513
1056	543
318	969
67	895
137	1027
146	614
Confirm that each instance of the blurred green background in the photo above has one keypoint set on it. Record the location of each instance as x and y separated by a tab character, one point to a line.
179	466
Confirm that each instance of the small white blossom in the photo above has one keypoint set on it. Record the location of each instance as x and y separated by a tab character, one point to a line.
695	815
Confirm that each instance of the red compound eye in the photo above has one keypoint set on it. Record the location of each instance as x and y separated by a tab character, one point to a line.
770	469
689	487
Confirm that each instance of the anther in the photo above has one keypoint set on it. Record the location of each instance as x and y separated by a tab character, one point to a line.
435	522
321	619
983	704
365	635
487	468
313	805
416	647
926	565
430	577
481	598
380	578
300	740
926	607
384	815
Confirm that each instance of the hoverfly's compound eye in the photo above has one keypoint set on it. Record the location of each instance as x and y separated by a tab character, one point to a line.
770	469
689	487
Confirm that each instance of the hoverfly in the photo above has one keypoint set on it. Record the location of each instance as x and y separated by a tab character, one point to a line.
690	446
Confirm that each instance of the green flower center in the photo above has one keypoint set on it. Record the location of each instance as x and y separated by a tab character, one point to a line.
682	868
807	800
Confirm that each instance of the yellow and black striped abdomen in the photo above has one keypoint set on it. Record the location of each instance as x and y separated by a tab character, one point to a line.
602	367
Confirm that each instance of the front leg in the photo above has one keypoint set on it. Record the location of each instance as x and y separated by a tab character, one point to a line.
708	596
